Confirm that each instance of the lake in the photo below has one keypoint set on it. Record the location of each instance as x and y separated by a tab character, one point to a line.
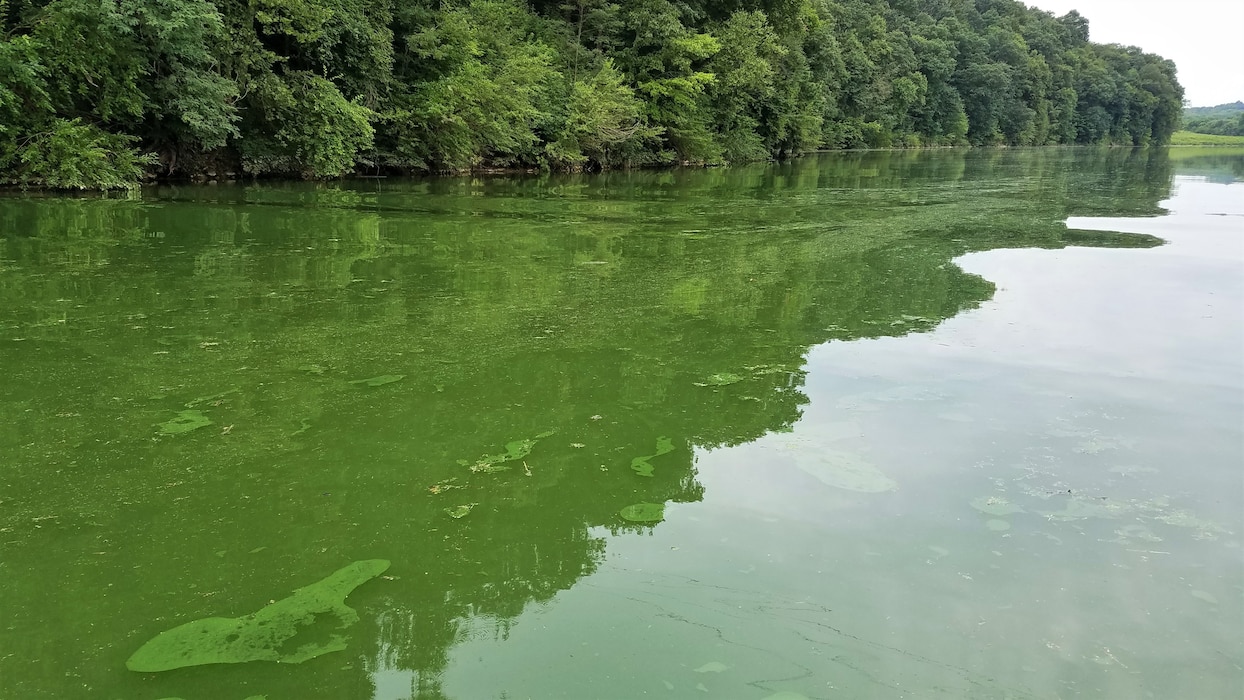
863	425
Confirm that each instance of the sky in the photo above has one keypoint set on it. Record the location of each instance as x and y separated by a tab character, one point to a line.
1202	37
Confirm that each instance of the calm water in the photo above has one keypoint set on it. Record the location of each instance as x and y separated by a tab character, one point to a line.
925	425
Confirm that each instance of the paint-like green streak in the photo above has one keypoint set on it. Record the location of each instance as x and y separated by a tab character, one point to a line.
265	635
185	422
643	466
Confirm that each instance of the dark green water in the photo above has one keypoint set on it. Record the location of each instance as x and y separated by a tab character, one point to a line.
930	438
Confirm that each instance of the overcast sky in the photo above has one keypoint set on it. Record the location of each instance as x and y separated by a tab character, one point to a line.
1202	37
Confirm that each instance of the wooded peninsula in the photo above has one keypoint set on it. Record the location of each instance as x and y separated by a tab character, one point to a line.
99	94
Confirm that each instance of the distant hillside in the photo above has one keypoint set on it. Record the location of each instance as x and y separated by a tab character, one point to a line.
1228	109
1223	120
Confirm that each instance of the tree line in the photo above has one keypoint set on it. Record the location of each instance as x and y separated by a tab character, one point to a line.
1222	120
100	93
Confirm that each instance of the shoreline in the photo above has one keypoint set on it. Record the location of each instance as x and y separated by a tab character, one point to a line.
233	178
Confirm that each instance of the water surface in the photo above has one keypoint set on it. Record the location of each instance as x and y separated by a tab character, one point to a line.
923	425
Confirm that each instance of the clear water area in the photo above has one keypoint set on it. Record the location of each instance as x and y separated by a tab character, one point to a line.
960	425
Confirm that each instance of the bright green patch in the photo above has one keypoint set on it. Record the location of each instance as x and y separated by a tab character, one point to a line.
379	381
461	511
643	512
514	451
643	466
266	635
185	422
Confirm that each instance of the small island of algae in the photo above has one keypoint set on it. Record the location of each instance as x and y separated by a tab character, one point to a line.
267	635
643	466
845	470
514	450
185	422
644	512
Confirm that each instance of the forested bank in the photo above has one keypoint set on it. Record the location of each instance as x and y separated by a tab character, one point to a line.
100	93
1221	120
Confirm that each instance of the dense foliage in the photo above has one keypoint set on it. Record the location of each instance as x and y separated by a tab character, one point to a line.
92	92
1222	120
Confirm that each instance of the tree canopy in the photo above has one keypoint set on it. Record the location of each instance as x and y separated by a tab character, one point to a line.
1223	120
95	93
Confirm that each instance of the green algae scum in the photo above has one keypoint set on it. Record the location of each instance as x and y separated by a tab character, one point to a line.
265	635
937	424
185	422
644	512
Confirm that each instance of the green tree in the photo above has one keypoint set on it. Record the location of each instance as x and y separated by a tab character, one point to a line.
745	71
322	88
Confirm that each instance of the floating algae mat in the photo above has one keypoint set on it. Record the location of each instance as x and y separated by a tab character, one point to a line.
185	422
845	470
265	635
514	451
643	512
379	381
995	505
642	466
721	379
755	372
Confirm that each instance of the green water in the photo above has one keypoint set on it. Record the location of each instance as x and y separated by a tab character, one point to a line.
908	425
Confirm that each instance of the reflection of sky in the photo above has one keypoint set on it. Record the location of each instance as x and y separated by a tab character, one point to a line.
1079	329
1096	380
393	684
1153	313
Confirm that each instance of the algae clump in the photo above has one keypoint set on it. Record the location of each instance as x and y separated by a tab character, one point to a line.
514	450
642	466
845	470
643	512
995	505
721	379
185	422
266	635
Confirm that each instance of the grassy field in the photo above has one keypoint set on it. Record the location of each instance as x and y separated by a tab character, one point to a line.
1188	138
